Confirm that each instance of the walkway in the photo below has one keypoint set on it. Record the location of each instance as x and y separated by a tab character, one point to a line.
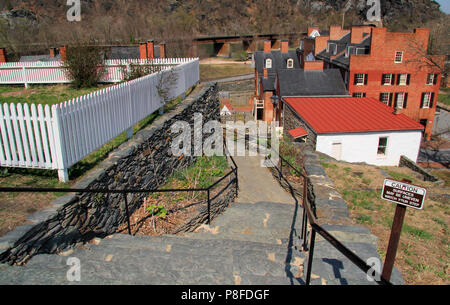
255	241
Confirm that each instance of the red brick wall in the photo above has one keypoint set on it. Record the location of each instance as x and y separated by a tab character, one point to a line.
336	32
381	60
357	33
268	107
320	44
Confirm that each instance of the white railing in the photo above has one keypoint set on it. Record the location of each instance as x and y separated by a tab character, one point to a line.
53	72
36	136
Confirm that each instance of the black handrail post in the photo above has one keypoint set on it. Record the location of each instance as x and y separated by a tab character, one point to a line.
128	212
310	256
305	234
237	181
281	168
209	207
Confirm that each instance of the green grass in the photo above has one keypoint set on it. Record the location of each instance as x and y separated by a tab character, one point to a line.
398	176
202	174
45	95
444	98
361	219
211	72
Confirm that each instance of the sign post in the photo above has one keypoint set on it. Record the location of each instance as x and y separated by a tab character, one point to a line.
405	195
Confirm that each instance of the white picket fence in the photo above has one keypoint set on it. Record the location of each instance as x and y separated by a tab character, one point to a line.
57	137
53	72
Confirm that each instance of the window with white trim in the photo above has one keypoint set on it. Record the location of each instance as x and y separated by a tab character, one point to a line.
398	57
269	63
359	94
359	78
387	79
382	146
430	79
426	100
400	98
290	63
332	48
385	97
402	79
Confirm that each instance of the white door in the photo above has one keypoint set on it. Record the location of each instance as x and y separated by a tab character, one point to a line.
336	150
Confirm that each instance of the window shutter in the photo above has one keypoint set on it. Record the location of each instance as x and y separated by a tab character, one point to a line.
364	94
405	100
354	79
380	97
431	100
392	79
398	79
382	77
395	100
365	79
390	99
421	100
408	78
435	79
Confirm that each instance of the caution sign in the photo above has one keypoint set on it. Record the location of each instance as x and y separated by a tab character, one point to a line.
403	193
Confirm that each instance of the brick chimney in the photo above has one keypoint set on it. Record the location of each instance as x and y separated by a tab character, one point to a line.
316	65
267	46
52	52
162	50
2	55
265	73
284	46
63	52
150	49
143	50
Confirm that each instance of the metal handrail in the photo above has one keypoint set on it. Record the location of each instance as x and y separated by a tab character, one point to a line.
125	192
308	215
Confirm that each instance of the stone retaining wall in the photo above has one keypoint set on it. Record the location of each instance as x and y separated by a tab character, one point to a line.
405	162
145	161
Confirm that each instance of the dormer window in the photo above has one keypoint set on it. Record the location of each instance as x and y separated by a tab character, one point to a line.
268	63
332	48
290	63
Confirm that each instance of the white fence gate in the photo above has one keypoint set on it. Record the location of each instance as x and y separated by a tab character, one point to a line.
33	136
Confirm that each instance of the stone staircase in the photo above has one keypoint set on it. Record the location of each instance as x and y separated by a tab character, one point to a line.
218	254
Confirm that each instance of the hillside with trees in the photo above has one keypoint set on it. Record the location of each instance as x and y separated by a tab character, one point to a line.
26	26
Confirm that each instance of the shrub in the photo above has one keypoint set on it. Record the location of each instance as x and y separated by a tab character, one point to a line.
84	65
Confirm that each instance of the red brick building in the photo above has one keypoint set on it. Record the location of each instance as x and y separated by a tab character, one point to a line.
388	66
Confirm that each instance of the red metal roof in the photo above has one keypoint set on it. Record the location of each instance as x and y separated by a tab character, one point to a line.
298	132
349	114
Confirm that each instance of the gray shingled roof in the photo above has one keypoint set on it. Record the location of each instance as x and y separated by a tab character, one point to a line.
46	57
342	44
279	60
124	52
299	82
